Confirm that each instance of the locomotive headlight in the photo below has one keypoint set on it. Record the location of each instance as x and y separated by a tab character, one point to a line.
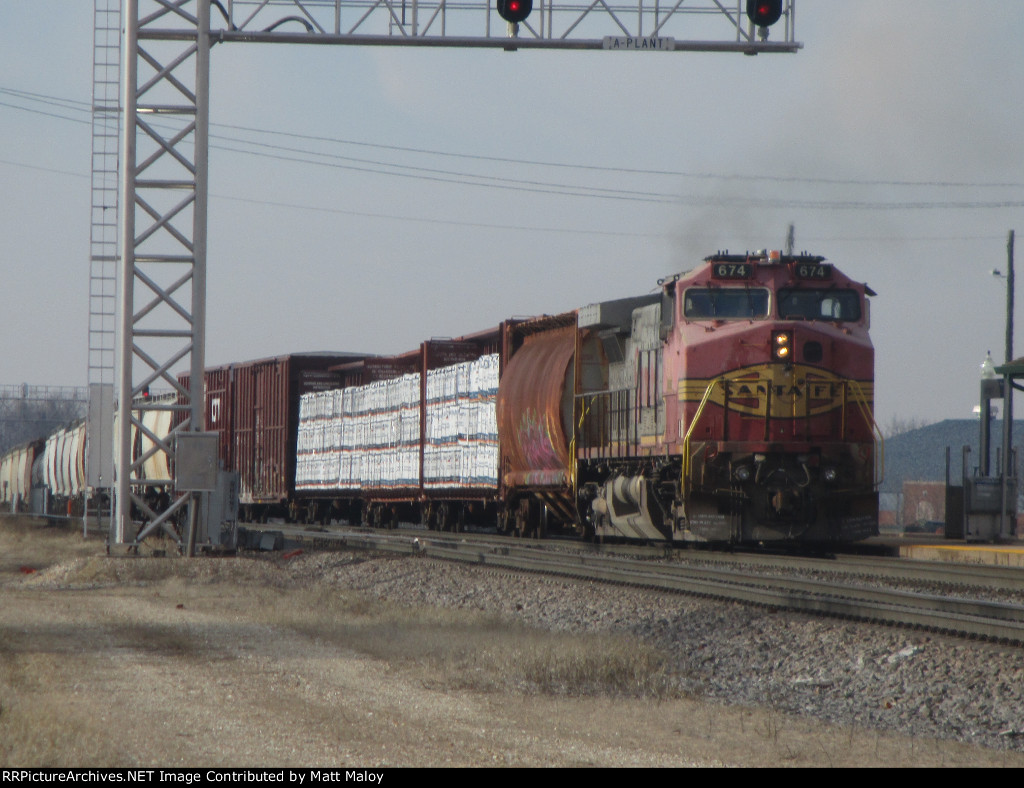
742	473
782	345
830	474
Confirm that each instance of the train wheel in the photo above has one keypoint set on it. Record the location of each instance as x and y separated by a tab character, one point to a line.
504	521
522	526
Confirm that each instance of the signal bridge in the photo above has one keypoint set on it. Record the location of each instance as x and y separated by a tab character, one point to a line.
163	160
688	25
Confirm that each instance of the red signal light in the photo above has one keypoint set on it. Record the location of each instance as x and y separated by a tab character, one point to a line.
513	10
764	13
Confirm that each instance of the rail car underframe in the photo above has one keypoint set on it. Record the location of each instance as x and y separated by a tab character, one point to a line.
448	511
736	492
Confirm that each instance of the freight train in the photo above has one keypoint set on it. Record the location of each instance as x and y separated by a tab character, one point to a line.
734	404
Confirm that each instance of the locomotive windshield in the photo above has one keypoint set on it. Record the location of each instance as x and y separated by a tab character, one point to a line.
840	305
721	303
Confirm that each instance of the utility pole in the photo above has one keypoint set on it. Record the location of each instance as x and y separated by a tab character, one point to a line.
1009	464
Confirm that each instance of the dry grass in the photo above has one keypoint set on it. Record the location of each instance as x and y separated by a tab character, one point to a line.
468	650
163	661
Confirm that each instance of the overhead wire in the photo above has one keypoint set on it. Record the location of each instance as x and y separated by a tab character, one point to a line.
238	145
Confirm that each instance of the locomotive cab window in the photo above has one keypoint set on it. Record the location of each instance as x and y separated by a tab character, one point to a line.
814	304
723	303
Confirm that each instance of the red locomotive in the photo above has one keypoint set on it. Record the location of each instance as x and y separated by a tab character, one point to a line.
738	407
734	405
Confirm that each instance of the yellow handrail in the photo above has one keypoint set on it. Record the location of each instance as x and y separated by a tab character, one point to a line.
573	460
685	480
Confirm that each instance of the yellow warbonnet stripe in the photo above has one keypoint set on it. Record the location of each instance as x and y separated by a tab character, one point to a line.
797	391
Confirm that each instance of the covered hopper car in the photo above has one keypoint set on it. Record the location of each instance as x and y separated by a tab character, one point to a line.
48	475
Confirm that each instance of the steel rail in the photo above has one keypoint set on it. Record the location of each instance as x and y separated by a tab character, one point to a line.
1004	578
971	618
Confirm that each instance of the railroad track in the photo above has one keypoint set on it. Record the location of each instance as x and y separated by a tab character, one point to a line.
731	578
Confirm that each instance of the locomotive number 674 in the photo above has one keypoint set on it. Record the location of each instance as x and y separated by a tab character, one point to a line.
735	405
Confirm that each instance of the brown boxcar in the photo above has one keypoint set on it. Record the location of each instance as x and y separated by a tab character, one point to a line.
254	407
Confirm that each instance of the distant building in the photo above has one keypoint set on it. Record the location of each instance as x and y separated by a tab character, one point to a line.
913	490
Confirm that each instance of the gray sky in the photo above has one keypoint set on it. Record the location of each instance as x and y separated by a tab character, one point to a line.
894	141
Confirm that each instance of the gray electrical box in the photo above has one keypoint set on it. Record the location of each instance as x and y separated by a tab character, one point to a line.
195	462
220	512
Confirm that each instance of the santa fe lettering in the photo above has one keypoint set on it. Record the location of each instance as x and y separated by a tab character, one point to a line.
353	776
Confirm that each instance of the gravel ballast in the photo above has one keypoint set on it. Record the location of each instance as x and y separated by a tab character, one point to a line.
849	673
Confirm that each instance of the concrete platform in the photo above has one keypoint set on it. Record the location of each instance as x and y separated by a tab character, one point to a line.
958	552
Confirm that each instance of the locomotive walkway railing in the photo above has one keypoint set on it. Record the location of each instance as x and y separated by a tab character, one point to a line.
850	387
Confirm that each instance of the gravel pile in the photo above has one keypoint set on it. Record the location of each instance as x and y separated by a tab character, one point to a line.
847	673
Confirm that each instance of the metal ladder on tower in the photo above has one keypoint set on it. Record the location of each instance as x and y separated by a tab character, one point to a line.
103	240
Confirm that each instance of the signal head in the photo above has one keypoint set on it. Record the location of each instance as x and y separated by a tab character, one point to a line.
764	13
514	11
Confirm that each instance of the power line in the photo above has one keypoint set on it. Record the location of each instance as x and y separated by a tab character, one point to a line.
633	170
85	107
454	222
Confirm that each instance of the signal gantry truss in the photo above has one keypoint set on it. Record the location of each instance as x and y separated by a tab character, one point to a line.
163	160
676	25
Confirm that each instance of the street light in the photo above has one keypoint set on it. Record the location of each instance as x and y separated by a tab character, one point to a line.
1007	452
1009	307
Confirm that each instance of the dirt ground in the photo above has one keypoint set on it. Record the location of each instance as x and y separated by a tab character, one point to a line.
164	662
